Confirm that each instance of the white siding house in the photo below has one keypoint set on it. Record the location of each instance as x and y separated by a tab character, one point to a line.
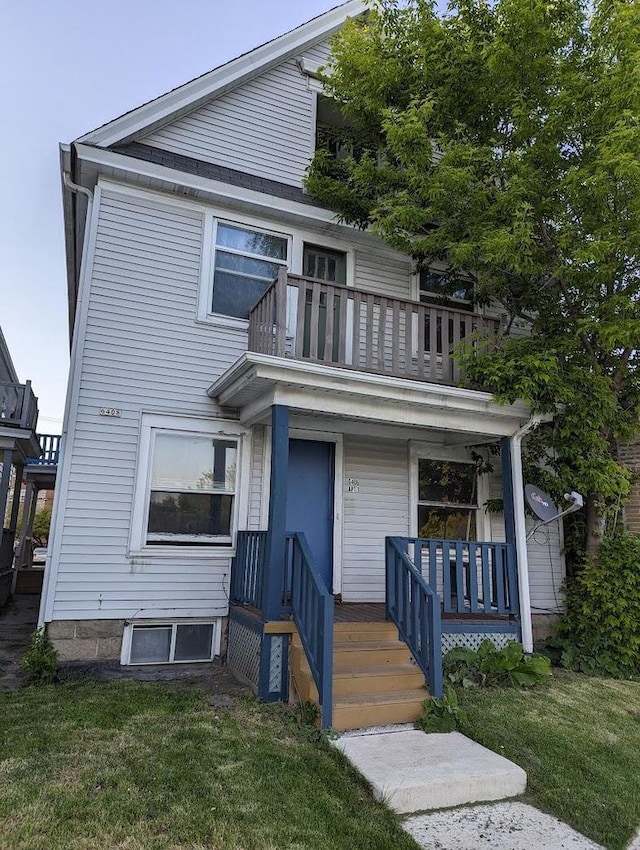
187	360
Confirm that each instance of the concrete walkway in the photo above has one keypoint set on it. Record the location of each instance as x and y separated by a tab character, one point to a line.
18	619
499	826
439	775
412	771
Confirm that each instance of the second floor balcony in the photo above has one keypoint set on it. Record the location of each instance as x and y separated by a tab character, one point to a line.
18	406
310	320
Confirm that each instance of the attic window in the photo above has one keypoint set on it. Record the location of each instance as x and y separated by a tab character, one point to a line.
332	130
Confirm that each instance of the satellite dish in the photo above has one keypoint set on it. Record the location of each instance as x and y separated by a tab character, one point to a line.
541	503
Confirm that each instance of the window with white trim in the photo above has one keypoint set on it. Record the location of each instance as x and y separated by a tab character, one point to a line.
192	489
438	286
447	500
246	262
169	643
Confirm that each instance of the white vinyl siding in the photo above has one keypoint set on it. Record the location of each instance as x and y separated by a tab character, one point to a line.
385	272
143	351
544	554
379	508
263	127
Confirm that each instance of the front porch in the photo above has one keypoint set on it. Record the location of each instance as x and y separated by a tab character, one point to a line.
344	526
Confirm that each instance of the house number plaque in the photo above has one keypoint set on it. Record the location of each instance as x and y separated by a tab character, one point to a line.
110	411
353	485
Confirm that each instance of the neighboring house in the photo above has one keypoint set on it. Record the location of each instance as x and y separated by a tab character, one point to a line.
259	397
18	445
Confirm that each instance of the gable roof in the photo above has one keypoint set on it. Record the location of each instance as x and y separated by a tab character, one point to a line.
222	79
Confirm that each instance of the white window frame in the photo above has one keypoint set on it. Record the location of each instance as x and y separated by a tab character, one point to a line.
296	240
127	640
437	269
427	451
152	424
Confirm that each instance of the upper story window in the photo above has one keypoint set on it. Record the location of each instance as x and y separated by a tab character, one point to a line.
192	489
447	500
332	130
436	286
324	264
245	264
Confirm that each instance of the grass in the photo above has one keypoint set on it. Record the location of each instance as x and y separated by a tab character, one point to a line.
137	766
578	738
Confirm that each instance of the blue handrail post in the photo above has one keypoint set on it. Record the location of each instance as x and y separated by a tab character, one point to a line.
275	549
435	649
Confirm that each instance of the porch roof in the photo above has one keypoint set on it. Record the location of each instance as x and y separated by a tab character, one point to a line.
255	382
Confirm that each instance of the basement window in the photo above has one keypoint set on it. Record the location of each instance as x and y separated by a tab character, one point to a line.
170	643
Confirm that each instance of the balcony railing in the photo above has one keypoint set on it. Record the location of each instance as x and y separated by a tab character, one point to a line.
50	450
312	320
18	405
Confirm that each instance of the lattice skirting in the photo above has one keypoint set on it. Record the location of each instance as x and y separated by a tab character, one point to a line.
243	650
474	639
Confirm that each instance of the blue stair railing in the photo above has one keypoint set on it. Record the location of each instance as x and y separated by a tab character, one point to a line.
414	606
247	569
312	609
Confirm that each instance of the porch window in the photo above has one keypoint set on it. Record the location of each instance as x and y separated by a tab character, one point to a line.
323	264
447	500
246	263
192	492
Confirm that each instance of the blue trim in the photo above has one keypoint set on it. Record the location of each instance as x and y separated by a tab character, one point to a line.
476	628
272	587
507	492
241	617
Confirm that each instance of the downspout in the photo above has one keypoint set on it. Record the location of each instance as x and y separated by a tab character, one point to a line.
74	187
521	527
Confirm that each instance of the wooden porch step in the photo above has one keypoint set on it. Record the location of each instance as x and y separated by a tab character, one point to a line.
365	710
351	653
377	631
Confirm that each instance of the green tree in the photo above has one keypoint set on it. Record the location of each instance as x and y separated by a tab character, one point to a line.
41	526
503	138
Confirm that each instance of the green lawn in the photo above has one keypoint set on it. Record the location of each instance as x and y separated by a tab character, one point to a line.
578	738
147	767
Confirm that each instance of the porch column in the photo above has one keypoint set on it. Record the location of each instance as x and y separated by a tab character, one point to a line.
28	514
515	526
7	460
275	550
17	492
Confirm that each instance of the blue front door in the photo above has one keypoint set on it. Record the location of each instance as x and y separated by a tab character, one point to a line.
310	499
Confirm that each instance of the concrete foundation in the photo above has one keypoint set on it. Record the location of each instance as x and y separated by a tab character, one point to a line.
544	626
86	640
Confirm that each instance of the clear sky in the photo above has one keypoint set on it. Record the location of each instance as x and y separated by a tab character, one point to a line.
65	68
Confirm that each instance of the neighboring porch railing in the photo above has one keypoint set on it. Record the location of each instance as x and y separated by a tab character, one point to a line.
414	607
312	608
50	450
18	405
247	568
309	319
469	577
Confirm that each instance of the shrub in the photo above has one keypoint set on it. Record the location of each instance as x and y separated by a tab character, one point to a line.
442	715
490	666
41	659
600	631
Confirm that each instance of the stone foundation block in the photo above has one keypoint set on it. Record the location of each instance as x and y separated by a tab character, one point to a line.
99	628
76	650
109	648
61	629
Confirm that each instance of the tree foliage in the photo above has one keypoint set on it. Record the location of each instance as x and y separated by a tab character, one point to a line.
503	138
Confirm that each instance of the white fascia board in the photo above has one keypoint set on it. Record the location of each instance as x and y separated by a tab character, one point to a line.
220	80
216	190
297	379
